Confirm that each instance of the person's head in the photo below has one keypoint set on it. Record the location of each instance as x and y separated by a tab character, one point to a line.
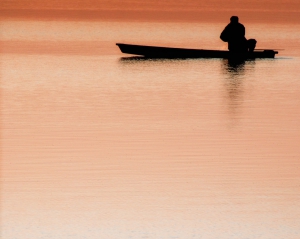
234	19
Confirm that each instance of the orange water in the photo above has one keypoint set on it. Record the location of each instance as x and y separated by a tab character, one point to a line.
94	145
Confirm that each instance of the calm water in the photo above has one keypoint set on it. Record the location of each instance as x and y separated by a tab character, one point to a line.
95	145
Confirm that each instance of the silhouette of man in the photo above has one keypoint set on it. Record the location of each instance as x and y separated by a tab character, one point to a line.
234	34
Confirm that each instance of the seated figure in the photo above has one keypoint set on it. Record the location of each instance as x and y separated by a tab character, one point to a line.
251	44
234	34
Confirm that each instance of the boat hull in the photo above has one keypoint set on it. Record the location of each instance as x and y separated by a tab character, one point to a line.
170	52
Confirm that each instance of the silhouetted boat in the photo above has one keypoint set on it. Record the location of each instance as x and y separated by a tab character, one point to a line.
170	52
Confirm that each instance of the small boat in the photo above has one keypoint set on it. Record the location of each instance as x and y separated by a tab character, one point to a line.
171	52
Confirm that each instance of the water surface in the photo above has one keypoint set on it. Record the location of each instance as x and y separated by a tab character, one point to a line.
95	145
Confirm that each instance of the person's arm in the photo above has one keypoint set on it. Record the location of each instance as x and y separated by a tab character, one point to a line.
224	35
244	30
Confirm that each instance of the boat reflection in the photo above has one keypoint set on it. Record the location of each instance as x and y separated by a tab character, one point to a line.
132	59
236	73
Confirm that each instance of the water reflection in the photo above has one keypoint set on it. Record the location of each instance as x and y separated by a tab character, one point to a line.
236	72
133	59
136	59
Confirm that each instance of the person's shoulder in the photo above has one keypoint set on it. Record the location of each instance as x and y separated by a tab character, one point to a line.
241	24
229	25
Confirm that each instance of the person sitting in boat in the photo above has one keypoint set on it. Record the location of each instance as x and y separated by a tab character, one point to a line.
234	34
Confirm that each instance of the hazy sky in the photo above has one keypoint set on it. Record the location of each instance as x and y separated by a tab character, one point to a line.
279	5
253	9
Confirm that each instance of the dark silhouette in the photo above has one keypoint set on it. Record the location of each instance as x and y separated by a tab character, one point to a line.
251	43
173	53
234	34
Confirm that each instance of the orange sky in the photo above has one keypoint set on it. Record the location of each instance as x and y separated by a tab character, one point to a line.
279	5
157	9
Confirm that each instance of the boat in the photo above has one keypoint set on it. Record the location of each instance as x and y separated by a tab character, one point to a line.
171	52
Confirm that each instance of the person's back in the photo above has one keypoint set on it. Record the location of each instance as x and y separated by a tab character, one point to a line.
234	34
